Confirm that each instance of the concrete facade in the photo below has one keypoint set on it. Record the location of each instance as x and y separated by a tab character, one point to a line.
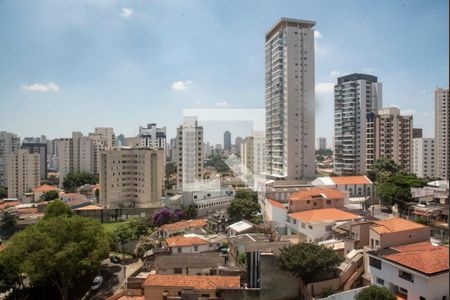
253	154
355	95
131	177
23	172
227	141
290	99
152	136
423	157
442	132
9	143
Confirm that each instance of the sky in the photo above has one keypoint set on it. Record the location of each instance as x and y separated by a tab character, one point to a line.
74	65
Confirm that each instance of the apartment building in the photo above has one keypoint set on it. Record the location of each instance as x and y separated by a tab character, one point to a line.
355	95
227	141
41	149
423	157
417	133
189	154
442	132
9	143
290	99
152	136
389	134
131	177
23	172
321	143
253	154
107	136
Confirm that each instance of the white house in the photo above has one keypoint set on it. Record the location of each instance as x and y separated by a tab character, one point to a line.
316	225
276	213
414	272
240	228
189	243
355	186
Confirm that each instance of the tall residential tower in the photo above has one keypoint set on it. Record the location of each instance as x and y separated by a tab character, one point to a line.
442	132
290	93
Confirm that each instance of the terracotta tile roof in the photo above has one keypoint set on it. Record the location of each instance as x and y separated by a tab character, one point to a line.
89	207
324	214
423	257
317	193
351	180
200	282
8	204
183	241
45	188
276	204
131	298
395	225
197	223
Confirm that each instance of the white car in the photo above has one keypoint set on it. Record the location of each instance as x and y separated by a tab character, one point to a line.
97	283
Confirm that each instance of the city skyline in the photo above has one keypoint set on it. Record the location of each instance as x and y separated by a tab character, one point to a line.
92	58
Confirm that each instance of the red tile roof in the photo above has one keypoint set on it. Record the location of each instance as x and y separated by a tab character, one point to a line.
324	214
199	282
351	180
89	207
317	193
45	188
197	223
276	204
395	225
183	241
423	257
7	204
131	298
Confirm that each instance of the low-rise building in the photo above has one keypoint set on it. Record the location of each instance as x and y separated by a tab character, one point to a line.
317	224
415	271
158	286
355	186
316	198
42	189
168	230
206	263
240	228
188	244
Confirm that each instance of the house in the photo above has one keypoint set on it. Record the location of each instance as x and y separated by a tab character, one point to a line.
355	186
275	212
206	263
316	198
316	225
42	189
181	227
74	200
396	232
240	228
189	243
159	287
355	234
416	271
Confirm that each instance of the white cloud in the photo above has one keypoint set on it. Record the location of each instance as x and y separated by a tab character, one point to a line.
317	34
335	73
325	87
127	12
41	87
408	112
181	85
320	50
222	104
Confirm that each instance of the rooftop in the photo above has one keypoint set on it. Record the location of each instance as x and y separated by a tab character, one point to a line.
351	180
203	282
241	226
182	241
197	223
189	260
45	188
324	214
89	207
316	193
276	204
395	225
424	257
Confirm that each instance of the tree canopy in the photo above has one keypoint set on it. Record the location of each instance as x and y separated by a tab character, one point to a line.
74	180
246	194
57	208
217	161
305	260
375	293
50	195
8	224
243	209
382	169
3	193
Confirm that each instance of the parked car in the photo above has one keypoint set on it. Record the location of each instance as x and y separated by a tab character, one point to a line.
115	259
97	283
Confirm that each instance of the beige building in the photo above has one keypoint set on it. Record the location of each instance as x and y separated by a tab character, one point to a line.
442	132
107	136
253	154
23	172
189	154
423	157
131	177
388	134
290	99
9	142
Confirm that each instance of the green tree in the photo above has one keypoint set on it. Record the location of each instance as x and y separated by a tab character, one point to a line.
123	235
74	180
8	224
243	209
246	194
375	293
57	208
58	250
217	161
305	260
190	212
50	195
11	279
320	158
144	244
382	169
3	193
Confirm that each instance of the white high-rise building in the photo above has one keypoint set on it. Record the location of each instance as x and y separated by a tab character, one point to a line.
9	142
189	158
152	136
423	157
131	177
355	95
23	172
442	132
290	96
253	154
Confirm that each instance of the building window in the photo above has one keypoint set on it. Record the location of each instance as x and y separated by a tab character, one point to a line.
376	263
179	249
405	275
422	298
380	281
310	227
195	248
328	201
328	228
177	271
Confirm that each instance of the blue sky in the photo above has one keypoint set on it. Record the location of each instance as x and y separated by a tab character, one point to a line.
74	65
